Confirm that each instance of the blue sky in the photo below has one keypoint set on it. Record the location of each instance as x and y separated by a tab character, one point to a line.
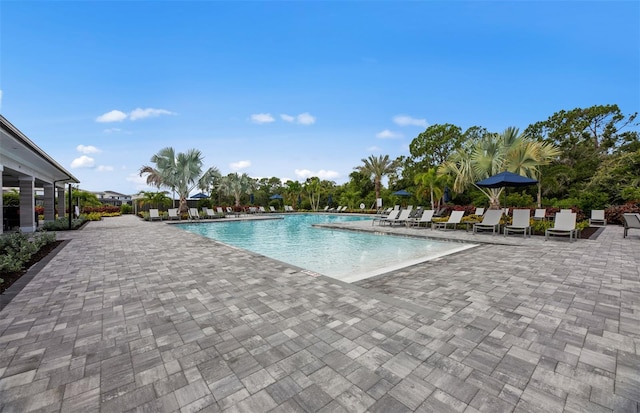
297	89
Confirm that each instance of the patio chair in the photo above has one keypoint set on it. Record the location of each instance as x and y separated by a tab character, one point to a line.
564	211
193	213
440	212
154	214
597	217
261	210
491	220
391	216
271	209
209	213
521	223
540	214
631	221
400	219
454	219
479	212
173	213
425	218
563	224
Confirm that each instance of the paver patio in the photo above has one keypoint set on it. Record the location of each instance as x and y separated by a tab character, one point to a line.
141	316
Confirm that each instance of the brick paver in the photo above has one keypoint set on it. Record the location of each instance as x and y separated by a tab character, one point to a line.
140	316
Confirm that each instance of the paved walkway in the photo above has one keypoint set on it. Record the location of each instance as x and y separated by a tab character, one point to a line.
140	316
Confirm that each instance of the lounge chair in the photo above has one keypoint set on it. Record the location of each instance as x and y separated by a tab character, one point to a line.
540	214
597	217
193	213
563	224
272	209
400	219
454	219
440	212
326	208
631	221
209	213
173	213
425	218
521	223
490	220
344	208
564	211
479	212
154	214
261	210
392	215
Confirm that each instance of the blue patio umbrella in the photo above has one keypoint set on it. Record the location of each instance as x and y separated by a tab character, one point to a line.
199	195
504	179
251	199
330	200
275	196
299	201
446	197
402	192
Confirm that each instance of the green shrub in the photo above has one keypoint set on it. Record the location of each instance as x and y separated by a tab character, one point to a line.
17	249
126	209
93	216
62	224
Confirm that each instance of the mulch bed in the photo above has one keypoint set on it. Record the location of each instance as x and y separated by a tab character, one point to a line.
590	232
11	277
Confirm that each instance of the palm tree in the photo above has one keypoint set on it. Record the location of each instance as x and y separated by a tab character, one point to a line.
180	172
434	183
154	199
237	185
376	167
293	192
497	153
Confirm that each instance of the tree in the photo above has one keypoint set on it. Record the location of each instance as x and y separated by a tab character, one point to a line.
237	185
293	190
433	184
508	151
433	146
313	188
376	168
179	172
154	199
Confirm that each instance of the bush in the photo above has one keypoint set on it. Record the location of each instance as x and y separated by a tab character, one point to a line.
110	209
94	216
613	214
522	199
17	249
126	209
62	224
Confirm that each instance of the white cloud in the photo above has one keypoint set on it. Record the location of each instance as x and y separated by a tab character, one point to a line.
305	119
136	114
404	120
374	149
387	134
322	174
113	116
104	168
87	149
239	165
261	118
112	130
83	162
287	118
148	113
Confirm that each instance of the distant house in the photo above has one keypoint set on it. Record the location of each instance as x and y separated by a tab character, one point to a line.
113	198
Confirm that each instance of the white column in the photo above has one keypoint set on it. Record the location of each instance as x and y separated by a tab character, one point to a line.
61	202
27	204
1	204
49	203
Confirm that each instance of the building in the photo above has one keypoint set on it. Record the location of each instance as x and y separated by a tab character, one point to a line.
28	169
113	198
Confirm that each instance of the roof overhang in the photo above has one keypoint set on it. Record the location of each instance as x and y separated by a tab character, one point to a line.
20	157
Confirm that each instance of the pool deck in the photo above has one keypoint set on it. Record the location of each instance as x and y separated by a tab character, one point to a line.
139	316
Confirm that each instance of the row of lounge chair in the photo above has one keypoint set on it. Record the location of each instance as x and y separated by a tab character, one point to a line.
208	213
564	222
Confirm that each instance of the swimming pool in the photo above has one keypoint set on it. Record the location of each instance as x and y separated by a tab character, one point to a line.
342	254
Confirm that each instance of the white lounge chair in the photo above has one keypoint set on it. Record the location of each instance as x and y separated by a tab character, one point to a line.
193	213
272	209
564	211
209	213
392	215
563	224
425	218
597	217
631	221
261	209
454	219
173	213
540	214
400	219
479	212
521	223
491	220
154	214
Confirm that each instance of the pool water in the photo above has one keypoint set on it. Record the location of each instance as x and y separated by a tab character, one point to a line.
342	254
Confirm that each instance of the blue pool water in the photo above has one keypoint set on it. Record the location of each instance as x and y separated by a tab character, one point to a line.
345	255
